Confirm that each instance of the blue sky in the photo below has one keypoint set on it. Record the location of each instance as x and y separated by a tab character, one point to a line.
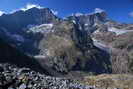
118	10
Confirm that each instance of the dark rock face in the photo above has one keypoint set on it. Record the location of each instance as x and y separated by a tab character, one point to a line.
82	39
10	54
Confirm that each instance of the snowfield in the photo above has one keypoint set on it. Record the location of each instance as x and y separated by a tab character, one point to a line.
101	45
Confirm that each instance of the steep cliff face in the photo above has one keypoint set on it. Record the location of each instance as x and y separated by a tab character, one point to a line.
89	22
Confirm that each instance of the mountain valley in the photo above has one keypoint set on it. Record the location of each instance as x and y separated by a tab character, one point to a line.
79	46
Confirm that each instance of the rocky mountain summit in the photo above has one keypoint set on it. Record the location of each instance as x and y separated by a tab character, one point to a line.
90	21
18	20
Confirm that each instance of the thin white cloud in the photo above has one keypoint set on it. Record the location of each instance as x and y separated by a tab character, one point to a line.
131	14
1	13
98	10
29	6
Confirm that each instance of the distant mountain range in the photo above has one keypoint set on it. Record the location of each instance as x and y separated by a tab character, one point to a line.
77	45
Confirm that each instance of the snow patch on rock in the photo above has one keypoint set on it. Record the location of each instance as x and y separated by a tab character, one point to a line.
118	31
1	13
100	45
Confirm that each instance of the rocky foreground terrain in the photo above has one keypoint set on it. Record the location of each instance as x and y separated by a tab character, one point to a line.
12	77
